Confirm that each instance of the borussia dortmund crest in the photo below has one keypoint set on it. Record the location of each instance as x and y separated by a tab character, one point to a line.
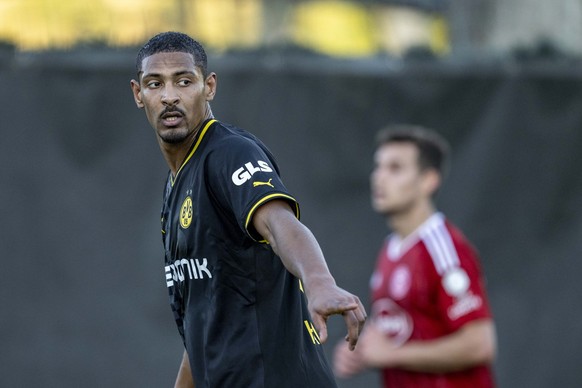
186	213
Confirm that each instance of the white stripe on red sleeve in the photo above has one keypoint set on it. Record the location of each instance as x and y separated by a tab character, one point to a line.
439	244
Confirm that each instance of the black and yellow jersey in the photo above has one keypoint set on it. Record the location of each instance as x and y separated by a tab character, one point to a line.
242	316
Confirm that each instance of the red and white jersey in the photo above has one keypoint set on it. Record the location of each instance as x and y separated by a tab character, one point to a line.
426	286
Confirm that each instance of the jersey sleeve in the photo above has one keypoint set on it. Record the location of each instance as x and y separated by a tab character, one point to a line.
460	287
472	302
243	176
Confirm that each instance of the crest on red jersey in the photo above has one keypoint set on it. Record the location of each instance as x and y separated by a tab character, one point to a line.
392	320
400	282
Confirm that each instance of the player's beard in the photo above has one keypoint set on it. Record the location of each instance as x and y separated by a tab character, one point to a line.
173	136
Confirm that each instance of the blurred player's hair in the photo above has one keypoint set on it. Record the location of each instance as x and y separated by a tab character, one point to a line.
433	149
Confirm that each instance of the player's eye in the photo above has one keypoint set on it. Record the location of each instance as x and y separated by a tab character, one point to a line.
184	82
395	167
153	84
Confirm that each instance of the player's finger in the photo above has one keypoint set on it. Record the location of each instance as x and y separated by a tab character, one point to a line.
321	326
361	315
323	333
354	327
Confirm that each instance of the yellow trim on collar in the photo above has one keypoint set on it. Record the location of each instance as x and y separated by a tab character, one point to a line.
208	124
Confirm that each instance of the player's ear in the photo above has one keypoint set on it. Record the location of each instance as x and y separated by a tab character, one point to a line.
431	181
210	86
136	89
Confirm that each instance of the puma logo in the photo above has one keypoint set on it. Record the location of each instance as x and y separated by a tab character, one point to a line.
255	184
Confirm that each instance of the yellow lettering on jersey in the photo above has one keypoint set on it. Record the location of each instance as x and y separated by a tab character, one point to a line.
301	286
312	332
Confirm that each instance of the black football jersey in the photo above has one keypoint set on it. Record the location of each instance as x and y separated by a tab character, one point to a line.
242	316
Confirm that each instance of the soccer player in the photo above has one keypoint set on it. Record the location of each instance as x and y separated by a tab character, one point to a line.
431	324
249	286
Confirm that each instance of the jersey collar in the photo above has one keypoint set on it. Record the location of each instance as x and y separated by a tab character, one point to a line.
397	246
193	150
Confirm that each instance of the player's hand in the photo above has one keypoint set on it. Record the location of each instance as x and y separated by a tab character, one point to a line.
375	349
331	300
346	362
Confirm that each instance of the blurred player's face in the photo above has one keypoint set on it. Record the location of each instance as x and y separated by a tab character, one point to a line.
174	94
397	183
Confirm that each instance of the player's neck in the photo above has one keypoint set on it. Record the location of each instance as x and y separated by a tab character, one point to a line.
175	154
406	223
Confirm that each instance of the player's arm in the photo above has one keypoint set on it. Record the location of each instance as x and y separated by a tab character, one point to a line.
300	253
184	378
473	344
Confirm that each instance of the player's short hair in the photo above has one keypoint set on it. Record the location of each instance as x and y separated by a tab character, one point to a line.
172	42
433	149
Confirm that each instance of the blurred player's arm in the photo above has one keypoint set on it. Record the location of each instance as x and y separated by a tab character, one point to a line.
473	344
184	378
300	253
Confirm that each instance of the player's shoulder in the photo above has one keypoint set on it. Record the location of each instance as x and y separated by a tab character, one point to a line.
445	243
438	226
462	243
231	144
225	134
466	250
455	231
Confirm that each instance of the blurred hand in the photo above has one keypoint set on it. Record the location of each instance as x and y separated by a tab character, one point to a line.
346	362
375	348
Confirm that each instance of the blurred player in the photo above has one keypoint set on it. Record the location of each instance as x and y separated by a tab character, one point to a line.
431	324
248	283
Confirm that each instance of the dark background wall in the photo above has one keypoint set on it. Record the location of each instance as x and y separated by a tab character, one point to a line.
81	280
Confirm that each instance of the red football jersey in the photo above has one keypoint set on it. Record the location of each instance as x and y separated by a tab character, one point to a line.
426	286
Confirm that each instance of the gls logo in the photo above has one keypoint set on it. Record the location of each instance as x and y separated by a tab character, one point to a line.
245	173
